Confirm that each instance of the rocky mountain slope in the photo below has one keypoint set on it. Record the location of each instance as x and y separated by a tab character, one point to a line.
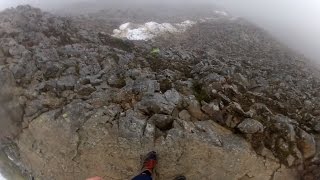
223	100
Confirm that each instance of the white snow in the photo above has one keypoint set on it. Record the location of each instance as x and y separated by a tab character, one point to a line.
149	30
221	13
2	178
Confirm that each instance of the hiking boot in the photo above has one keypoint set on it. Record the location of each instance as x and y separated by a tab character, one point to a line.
150	161
180	178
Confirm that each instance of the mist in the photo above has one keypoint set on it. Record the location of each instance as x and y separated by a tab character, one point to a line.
294	22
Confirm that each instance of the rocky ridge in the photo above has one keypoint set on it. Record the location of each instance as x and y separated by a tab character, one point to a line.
223	100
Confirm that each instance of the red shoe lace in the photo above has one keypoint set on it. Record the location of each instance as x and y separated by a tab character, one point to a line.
150	164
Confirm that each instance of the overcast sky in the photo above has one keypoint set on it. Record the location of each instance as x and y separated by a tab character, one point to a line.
295	22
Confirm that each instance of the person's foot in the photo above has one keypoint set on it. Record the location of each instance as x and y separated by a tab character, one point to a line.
180	178
150	161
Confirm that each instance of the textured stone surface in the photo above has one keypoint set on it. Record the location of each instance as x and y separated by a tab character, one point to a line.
78	102
250	126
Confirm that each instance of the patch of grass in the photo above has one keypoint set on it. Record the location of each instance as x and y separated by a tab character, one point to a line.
200	92
155	51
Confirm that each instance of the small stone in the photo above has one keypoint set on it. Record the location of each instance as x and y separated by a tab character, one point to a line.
290	160
163	122
18	70
214	77
306	143
308	105
155	104
173	96
66	82
239	78
236	107
184	115
267	154
250	126
132	125
224	98
86	90
283	145
317	127
195	110
211	108
1	53
145	86
51	70
232	122
115	81
17	50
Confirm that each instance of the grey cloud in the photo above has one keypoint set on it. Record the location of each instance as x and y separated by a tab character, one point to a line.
295	22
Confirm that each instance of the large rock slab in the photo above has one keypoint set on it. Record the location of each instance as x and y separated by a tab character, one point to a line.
201	150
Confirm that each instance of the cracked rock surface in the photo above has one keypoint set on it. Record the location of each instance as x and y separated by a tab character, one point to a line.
223	100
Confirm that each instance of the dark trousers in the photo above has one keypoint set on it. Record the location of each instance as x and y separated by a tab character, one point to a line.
146	175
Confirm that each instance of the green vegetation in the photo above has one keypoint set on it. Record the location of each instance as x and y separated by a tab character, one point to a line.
155	51
200	92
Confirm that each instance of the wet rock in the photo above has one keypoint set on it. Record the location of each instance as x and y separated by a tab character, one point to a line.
306	143
250	126
163	122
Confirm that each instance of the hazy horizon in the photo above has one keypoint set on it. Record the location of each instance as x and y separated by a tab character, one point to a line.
294	22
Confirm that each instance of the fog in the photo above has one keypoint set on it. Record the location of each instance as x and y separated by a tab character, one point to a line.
294	22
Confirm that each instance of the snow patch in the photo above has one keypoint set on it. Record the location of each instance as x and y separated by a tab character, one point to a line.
149	30
221	13
2	178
